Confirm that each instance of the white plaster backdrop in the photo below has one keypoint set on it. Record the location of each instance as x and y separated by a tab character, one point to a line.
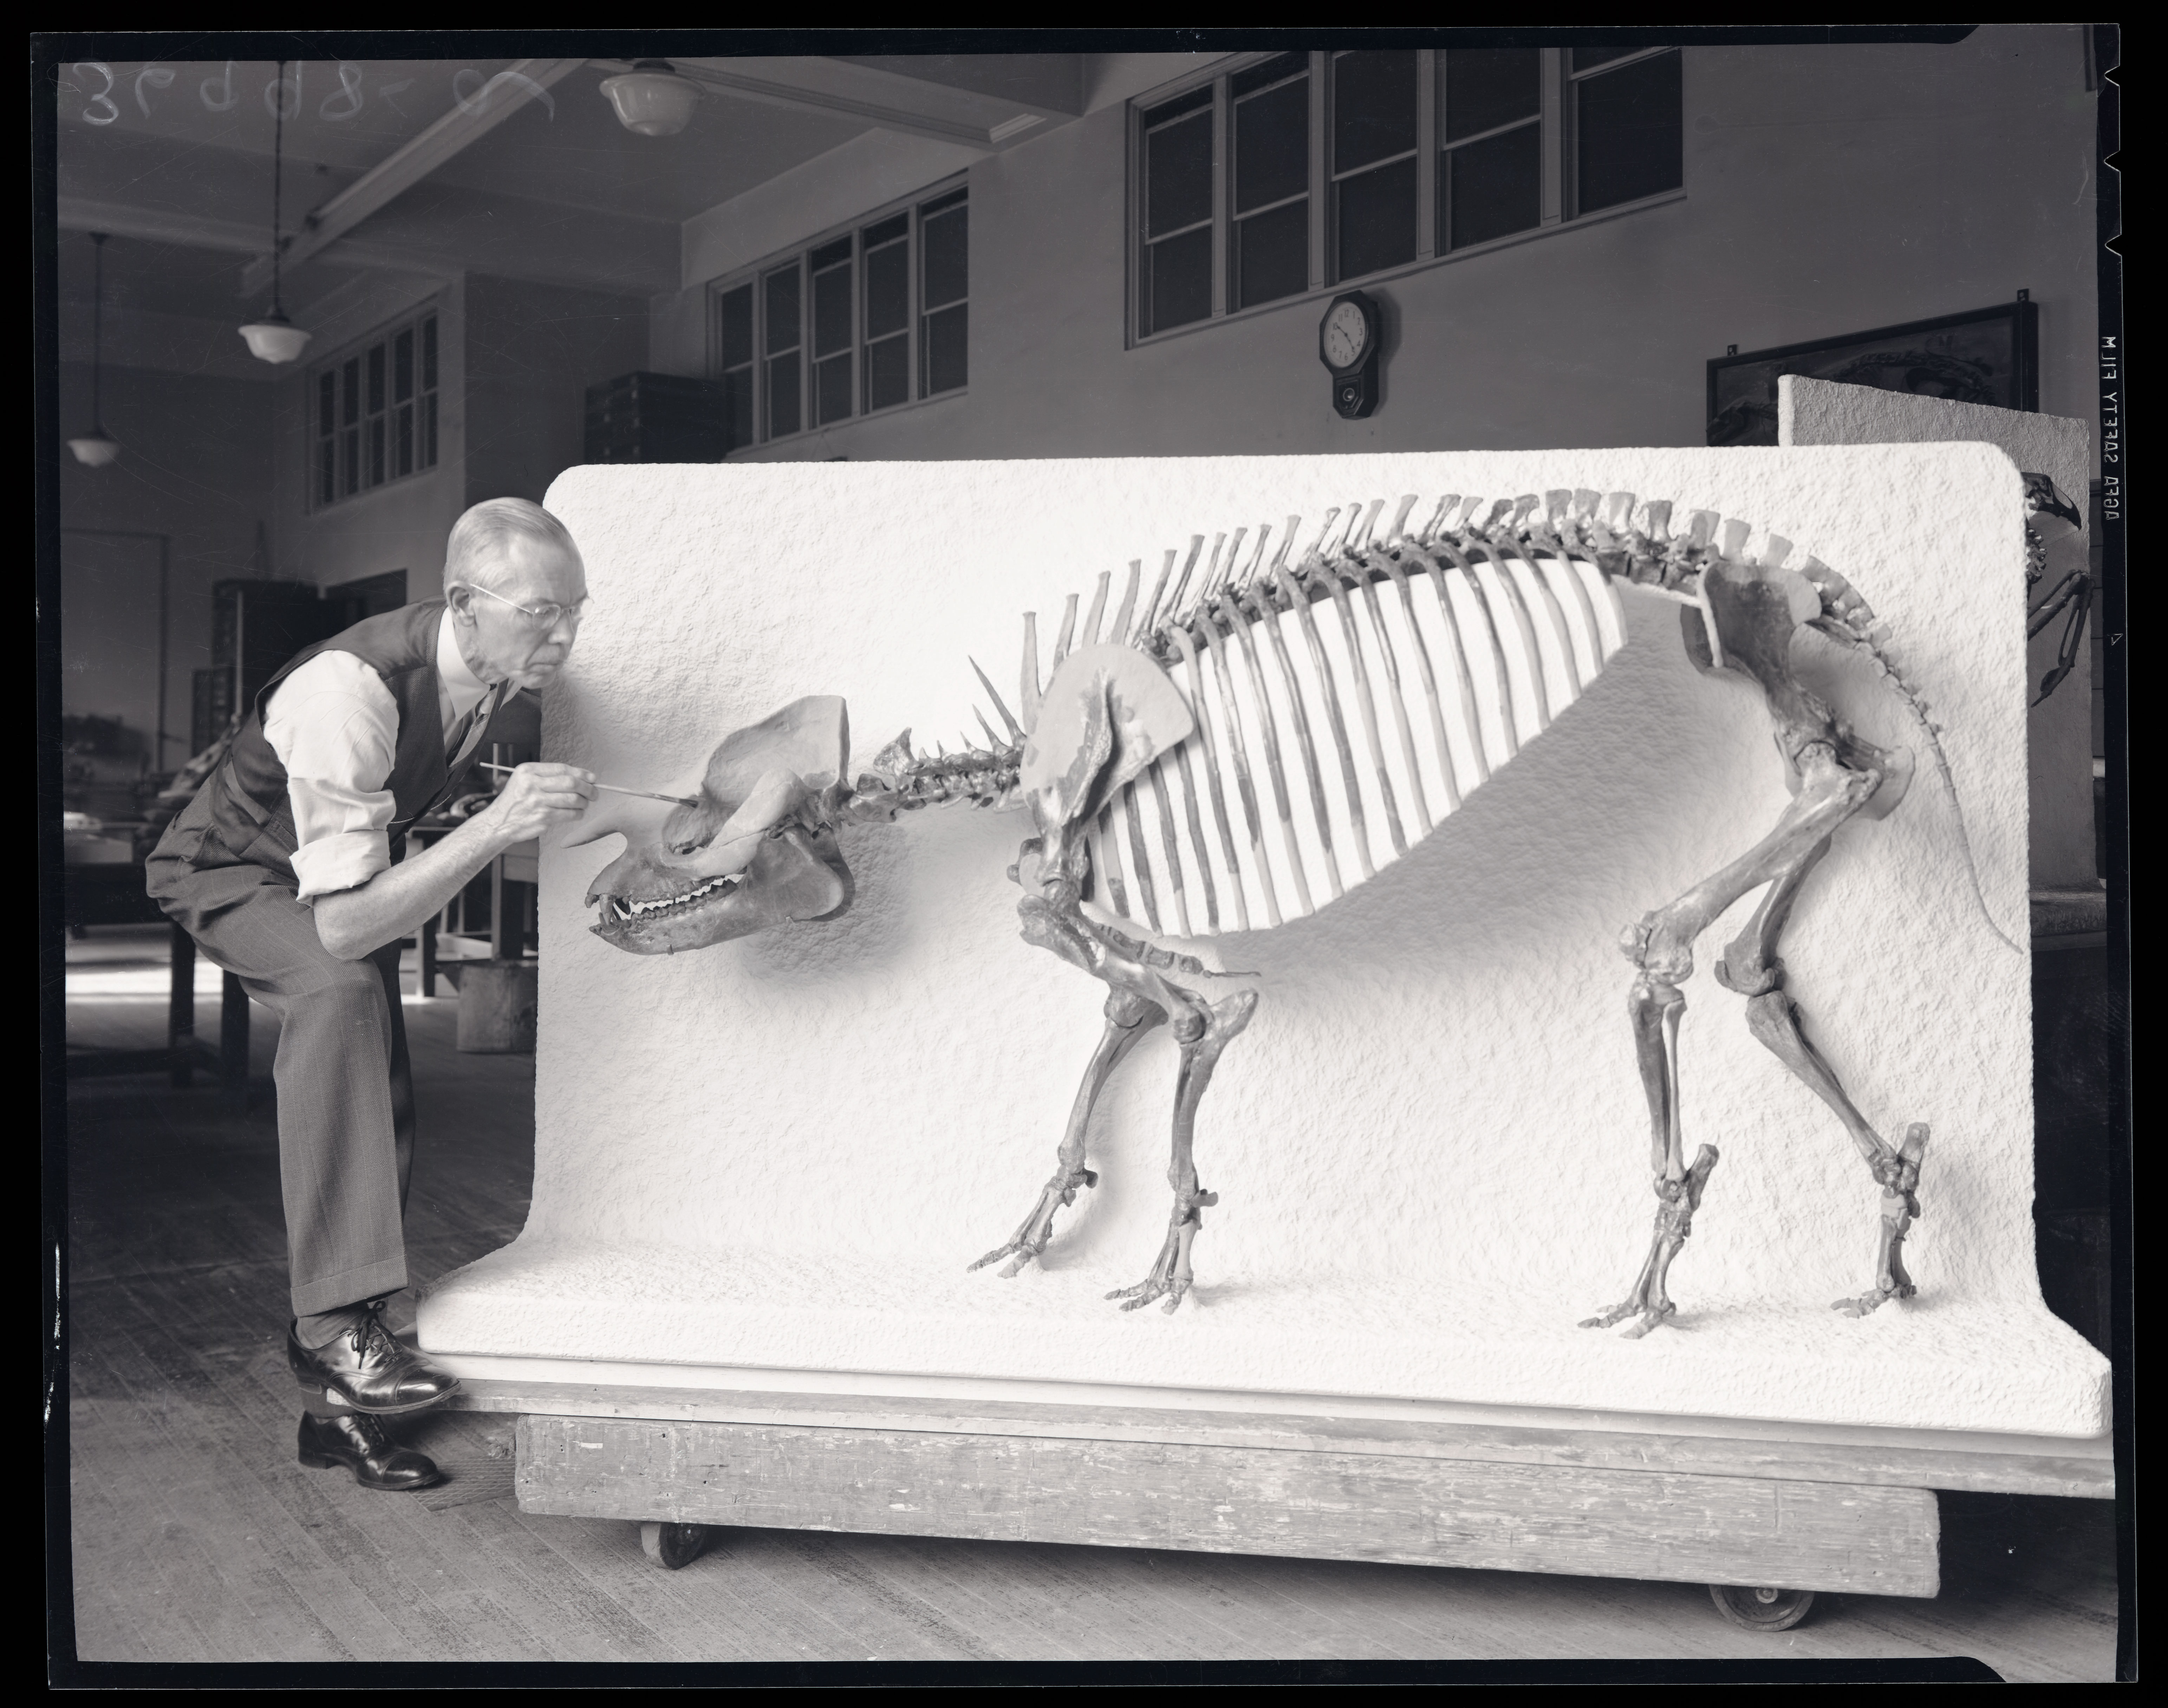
2059	730
1431	1145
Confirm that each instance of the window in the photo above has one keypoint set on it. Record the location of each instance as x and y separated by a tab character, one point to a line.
1627	130
862	321
1299	172
1271	216
374	413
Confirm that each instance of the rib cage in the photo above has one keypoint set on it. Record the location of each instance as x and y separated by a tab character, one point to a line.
1328	776
1345	702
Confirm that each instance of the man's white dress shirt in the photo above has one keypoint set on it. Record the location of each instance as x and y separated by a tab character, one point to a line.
335	727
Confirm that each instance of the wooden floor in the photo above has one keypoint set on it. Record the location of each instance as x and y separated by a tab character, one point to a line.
197	1537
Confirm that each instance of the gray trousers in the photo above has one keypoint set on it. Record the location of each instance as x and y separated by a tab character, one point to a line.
345	1093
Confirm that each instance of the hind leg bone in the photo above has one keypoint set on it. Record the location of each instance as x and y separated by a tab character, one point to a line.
1661	947
1750	966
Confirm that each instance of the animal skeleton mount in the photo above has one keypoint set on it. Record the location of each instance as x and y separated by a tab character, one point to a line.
1260	732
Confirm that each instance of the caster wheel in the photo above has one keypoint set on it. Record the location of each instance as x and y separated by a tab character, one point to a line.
673	1546
1761	1609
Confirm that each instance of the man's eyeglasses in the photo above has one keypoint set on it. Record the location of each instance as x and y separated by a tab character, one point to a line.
542	616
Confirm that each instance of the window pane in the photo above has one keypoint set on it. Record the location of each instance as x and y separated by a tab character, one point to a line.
735	330
888	289
1629	134
402	366
1272	146
737	399
1286	64
946	247
403	457
946	348
1197	98
832	389
376	380
1494	187
888	373
351	449
352	398
429	355
1272	254
833	254
782	396
831	310
429	427
327	465
1373	108
1584	58
1487	87
781	290
887	232
1178	175
1377	213
1178	282
326	402
376	452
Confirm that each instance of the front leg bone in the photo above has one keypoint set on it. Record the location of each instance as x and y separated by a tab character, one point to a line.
1128	1018
1210	1030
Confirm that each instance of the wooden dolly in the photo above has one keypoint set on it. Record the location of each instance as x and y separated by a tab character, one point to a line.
1766	1515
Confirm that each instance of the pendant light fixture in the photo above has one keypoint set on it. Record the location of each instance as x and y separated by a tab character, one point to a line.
98	447
652	99
275	338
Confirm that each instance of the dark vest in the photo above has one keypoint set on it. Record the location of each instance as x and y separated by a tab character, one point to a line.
245	805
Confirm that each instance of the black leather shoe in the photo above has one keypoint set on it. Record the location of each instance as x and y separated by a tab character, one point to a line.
357	1439
366	1369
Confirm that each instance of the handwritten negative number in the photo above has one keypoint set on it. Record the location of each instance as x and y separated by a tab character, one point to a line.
91	114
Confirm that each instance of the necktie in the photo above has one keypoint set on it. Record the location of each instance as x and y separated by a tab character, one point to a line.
464	730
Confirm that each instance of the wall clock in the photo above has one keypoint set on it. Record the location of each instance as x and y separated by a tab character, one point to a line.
1348	341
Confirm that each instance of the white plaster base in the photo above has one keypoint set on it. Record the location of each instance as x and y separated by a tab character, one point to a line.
1937	1363
1431	1144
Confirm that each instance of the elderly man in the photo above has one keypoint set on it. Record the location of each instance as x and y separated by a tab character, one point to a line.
286	869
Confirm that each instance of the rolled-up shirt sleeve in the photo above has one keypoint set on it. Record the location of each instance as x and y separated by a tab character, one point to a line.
335	727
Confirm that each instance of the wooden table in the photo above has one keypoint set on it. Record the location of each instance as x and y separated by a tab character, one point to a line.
115	895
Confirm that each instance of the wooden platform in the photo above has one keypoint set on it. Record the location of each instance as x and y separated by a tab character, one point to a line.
1687	1504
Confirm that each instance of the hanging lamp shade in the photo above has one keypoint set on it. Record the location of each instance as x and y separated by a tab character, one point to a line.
652	99
97	447
275	338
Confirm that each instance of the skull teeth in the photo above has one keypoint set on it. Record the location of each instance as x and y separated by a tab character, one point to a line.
620	909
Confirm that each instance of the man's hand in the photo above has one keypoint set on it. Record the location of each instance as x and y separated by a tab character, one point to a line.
355	923
536	798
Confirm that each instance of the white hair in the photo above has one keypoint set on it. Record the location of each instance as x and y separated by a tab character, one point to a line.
479	537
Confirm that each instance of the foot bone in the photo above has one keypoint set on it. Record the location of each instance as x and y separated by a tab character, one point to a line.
1030	1241
1171	1275
1676	1201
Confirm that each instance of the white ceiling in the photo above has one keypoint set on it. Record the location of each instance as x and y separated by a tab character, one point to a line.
173	159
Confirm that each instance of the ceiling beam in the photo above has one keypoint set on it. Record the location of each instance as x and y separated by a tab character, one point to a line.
812	85
466	124
200	231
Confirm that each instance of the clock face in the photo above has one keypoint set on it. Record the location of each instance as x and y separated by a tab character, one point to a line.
1346	335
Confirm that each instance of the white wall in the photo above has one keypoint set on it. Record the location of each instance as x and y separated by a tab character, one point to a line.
1829	190
195	465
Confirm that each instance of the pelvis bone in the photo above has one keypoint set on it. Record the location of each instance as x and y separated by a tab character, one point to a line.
759	850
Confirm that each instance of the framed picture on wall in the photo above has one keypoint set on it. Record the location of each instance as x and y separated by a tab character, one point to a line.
1991	355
